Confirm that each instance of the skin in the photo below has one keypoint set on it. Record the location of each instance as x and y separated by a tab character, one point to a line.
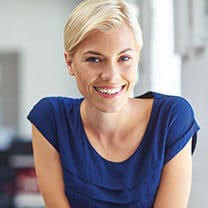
96	65
113	122
175	185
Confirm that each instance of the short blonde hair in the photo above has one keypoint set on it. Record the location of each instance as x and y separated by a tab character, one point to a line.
92	15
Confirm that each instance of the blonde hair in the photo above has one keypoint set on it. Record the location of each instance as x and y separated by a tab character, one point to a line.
92	15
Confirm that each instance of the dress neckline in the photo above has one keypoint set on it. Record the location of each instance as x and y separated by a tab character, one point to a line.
148	95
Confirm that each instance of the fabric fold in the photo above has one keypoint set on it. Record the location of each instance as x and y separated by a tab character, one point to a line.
112	195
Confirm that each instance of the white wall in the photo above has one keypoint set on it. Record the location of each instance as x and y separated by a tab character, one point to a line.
35	30
166	67
160	67
194	85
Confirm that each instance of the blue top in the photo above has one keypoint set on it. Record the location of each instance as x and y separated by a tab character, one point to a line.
94	182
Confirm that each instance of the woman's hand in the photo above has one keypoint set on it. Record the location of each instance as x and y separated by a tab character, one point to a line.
49	171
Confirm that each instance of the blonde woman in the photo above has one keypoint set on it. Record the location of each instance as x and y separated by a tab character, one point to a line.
107	149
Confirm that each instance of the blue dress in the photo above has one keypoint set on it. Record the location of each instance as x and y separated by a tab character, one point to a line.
94	182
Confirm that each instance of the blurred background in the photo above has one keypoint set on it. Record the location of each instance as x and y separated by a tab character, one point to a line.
174	60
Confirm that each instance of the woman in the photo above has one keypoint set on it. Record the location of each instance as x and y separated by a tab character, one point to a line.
107	149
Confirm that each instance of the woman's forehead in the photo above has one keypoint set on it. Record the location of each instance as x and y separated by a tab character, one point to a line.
116	37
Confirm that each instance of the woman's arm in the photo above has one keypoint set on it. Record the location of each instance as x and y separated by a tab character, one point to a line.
49	171
175	185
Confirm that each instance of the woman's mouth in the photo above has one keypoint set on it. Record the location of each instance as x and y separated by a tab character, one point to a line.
109	90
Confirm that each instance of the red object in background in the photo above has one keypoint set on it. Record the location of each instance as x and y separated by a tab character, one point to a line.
26	192
26	181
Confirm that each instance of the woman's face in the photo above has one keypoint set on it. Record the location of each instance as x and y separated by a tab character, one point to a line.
105	67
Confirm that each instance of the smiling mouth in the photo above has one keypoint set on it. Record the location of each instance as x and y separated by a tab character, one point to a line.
109	91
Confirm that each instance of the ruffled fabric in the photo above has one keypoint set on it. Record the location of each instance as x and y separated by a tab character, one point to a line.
113	194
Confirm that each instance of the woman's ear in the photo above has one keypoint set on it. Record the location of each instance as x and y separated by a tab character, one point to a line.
68	60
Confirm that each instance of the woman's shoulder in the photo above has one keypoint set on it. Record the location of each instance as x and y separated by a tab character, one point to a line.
175	104
51	107
175	112
169	107
55	102
167	100
58	99
51	115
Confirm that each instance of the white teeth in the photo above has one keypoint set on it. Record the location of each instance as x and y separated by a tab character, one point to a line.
109	91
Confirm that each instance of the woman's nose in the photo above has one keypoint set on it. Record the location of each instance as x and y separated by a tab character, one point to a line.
110	73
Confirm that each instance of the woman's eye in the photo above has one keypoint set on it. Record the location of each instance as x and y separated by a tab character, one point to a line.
93	59
124	58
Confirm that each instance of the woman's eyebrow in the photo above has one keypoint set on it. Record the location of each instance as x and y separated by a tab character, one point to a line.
93	53
125	50
100	54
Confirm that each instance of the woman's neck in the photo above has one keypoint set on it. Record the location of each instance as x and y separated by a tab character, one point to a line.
105	124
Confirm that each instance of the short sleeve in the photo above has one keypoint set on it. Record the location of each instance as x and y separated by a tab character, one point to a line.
182	127
43	117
